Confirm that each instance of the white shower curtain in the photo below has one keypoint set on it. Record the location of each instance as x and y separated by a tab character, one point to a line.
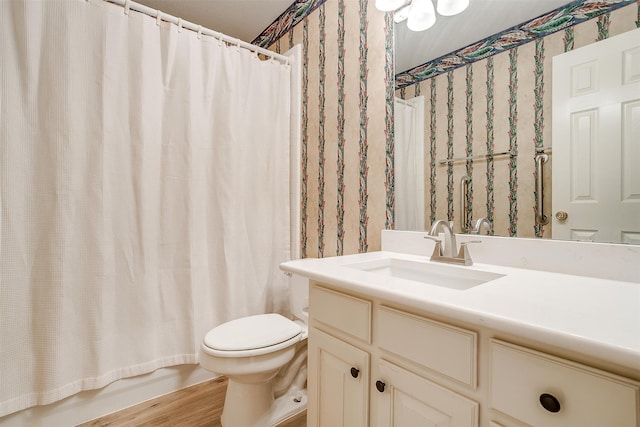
409	164
144	194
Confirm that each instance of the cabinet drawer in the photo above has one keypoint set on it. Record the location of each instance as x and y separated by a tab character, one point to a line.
439	347
581	396
345	313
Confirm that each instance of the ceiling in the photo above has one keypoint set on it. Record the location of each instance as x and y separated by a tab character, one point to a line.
242	19
246	19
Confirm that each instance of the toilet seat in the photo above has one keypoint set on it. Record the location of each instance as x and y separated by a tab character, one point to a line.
252	336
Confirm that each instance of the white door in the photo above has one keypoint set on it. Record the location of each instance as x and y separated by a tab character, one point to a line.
338	383
596	141
405	399
409	164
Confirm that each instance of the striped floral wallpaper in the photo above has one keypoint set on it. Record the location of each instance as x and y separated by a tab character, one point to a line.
347	121
501	103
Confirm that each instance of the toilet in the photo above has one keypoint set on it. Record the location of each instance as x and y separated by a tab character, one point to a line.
264	359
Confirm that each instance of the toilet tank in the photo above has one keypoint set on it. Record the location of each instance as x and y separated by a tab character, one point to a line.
299	297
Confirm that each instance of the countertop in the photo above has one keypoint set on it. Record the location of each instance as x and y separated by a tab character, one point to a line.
594	317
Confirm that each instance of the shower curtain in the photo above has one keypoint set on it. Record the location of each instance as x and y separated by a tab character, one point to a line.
409	164
144	194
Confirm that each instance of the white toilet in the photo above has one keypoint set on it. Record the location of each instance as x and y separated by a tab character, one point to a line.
251	351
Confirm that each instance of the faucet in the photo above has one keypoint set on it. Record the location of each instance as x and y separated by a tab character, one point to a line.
448	253
478	226
449	248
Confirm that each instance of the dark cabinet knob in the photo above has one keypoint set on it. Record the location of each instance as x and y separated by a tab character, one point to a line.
550	402
380	386
355	372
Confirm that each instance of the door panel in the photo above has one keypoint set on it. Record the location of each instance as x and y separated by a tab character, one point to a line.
410	400
596	141
338	396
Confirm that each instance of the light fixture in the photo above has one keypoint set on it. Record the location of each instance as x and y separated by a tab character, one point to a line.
402	14
420	14
451	7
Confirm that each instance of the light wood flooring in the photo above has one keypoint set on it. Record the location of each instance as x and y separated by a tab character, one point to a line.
196	406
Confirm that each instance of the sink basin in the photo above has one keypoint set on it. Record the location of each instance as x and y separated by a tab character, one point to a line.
460	278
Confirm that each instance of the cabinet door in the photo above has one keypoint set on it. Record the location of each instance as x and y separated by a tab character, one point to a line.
406	399
338	383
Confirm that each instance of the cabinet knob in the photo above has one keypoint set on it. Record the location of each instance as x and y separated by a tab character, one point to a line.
380	386
355	372
550	402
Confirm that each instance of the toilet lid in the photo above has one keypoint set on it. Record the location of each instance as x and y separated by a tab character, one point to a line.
247	333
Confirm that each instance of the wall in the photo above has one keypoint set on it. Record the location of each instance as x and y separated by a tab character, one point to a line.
347	195
493	105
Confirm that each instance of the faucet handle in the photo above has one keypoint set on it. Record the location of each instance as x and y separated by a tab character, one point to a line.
463	254
437	248
470	241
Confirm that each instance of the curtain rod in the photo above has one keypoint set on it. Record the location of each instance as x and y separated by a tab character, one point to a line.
154	13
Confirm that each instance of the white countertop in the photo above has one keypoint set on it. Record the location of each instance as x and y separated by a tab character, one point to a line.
594	317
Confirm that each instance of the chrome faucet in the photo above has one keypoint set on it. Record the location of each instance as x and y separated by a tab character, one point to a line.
477	227
449	248
448	253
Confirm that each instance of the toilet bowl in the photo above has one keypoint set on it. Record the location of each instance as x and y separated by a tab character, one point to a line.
250	352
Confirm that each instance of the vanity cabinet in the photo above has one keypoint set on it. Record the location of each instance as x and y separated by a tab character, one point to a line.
351	382
338	363
375	364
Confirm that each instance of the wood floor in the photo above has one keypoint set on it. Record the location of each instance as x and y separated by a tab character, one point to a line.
196	406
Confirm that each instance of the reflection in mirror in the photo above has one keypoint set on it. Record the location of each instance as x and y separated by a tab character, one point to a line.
596	134
488	118
409	164
481	20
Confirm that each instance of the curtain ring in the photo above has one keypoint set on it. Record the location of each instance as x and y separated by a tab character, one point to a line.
179	25
127	6
218	37
158	17
199	31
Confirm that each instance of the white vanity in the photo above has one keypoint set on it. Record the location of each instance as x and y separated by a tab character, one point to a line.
398	340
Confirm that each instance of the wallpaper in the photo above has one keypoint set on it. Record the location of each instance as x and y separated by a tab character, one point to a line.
347	124
501	104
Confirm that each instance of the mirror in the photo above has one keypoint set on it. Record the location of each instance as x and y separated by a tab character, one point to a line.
502	105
